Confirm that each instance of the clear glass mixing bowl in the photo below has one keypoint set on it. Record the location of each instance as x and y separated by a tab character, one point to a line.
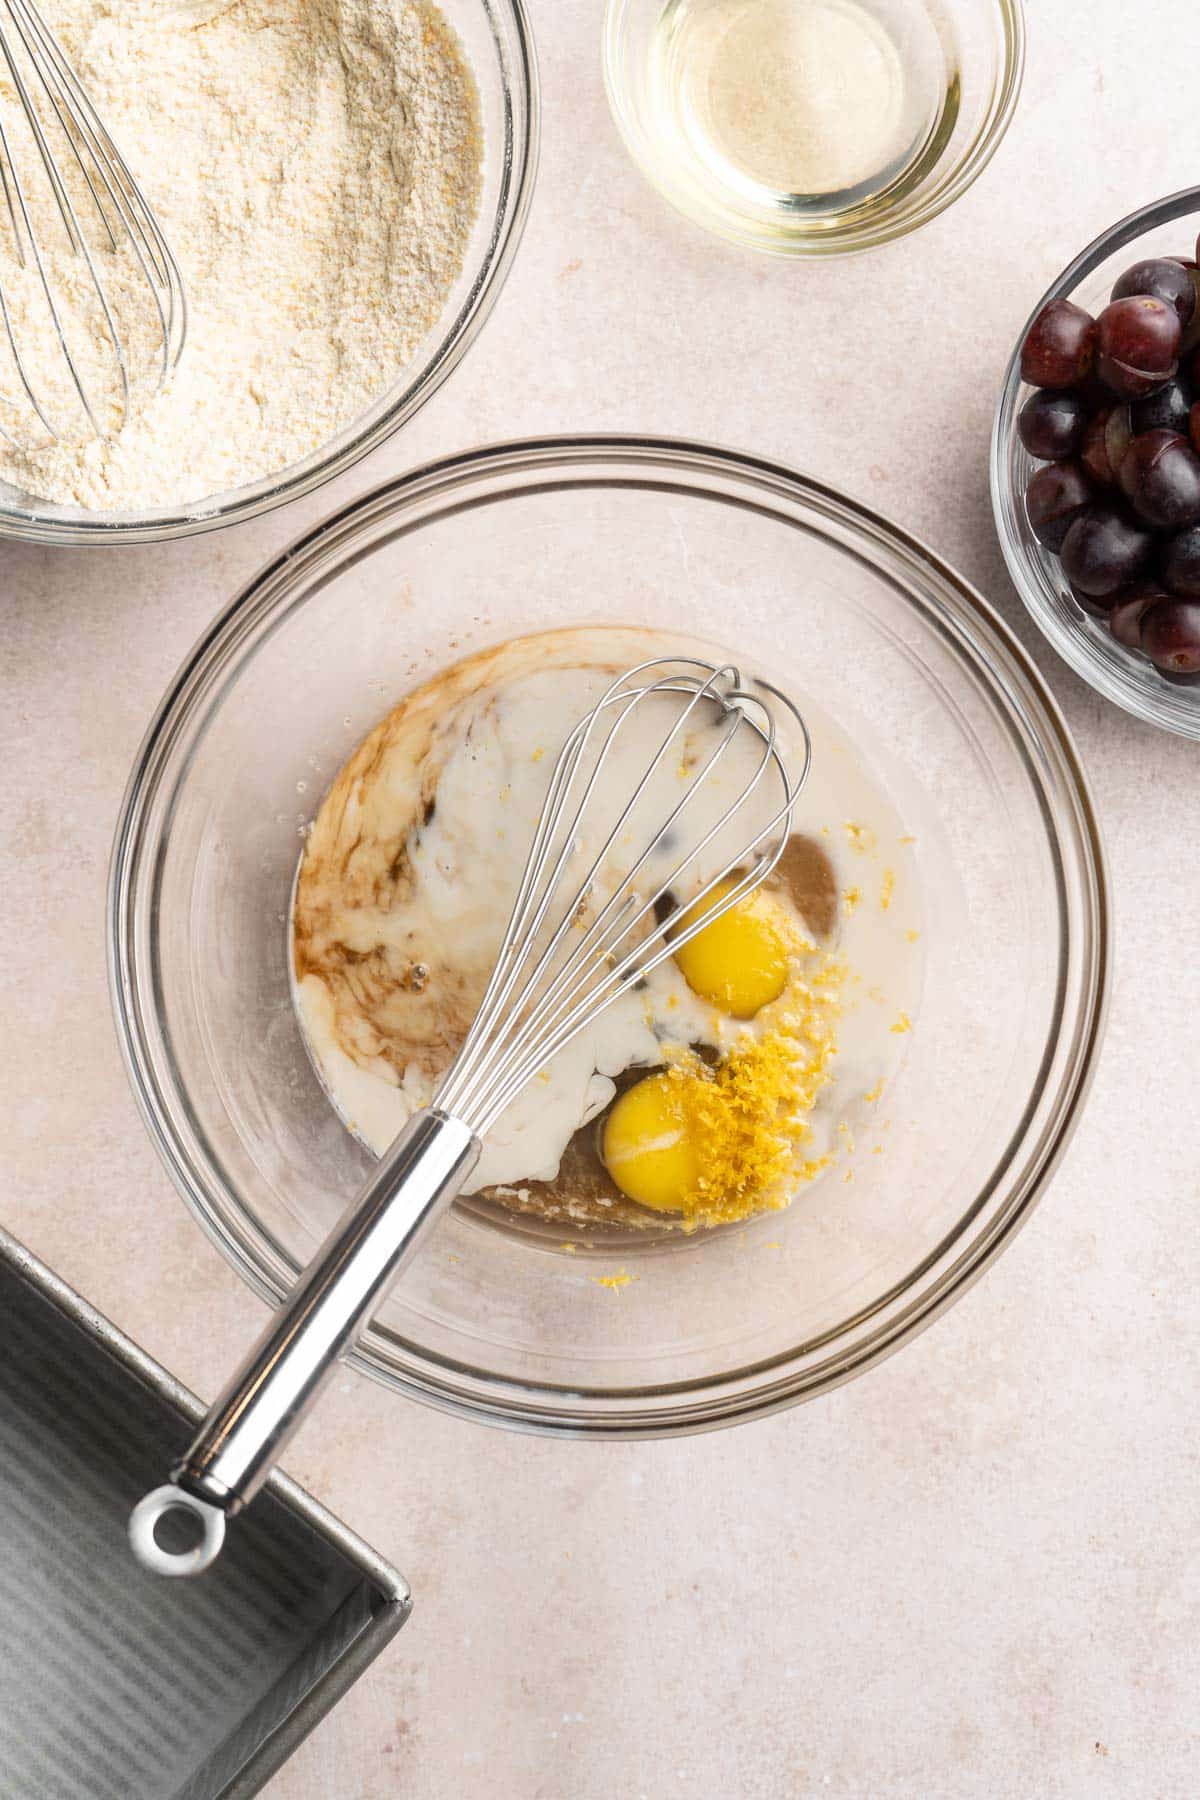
503	1323
1165	228
498	42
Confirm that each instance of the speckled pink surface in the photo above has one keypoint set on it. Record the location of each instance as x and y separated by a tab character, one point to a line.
970	1576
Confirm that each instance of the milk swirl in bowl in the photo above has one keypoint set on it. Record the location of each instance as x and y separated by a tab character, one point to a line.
735	1076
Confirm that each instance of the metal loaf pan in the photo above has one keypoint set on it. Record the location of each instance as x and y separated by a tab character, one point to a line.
115	1684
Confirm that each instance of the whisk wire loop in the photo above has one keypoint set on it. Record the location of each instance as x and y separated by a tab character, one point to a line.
539	997
537	888
595	959
51	98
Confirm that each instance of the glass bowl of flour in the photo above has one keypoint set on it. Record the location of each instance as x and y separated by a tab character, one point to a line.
344	184
942	758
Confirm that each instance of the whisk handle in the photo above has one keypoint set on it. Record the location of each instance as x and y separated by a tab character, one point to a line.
250	1423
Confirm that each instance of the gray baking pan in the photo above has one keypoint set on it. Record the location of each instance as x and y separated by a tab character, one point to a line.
115	1684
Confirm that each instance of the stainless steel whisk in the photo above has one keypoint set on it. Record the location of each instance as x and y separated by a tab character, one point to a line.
66	187
574	943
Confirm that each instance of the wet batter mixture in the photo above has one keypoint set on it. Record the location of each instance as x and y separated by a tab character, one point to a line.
734	1076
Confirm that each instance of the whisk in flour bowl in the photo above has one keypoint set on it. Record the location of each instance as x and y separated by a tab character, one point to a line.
343	184
808	127
93	313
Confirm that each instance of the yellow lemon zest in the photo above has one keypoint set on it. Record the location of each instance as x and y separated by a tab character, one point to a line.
719	1143
614	1283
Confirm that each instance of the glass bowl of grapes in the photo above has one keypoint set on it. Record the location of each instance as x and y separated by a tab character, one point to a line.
1095	465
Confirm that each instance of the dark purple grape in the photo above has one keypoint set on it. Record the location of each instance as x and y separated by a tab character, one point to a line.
1094	452
1051	424
1138	342
1056	495
1118	435
1098	606
1160	477
1059	347
1179	564
1125	619
1191	334
1165	278
1164	410
1104	550
1171	636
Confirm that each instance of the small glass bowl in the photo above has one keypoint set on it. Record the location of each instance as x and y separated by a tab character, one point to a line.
506	1323
981	44
1165	228
498	45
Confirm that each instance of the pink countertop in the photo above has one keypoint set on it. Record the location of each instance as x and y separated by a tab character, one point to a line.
970	1575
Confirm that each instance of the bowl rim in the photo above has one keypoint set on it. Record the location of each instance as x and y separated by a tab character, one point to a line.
1172	708
519	161
999	661
855	237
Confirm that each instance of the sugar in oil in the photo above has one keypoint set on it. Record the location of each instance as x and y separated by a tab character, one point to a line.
799	110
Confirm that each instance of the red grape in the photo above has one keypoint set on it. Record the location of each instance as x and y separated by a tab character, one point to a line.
1138	341
1094	453
1118	408
1125	619
1166	279
1179	563
1104	550
1160	477
1191	333
1166	407
1118	435
1055	496
1171	636
1059	347
1050	424
1098	607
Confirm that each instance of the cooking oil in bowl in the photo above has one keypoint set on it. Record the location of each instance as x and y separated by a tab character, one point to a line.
784	117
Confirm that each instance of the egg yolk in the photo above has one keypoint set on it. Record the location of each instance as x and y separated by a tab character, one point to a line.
740	960
648	1146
